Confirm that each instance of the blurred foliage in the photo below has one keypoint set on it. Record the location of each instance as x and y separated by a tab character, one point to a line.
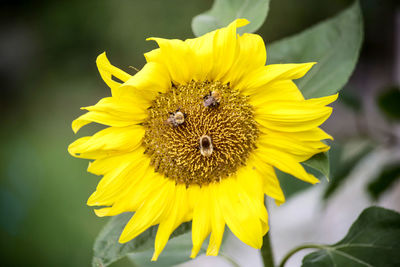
388	176
224	12
389	102
44	216
351	100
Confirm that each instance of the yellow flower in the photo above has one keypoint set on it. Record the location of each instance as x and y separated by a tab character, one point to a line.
195	136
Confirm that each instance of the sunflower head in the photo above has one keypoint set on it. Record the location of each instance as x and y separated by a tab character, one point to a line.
195	135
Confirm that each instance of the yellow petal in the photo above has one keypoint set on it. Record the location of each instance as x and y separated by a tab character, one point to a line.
108	141
291	116
225	49
252	197
217	222
147	215
299	150
112	112
151	80
134	160
201	226
106	164
202	47
262	76
242	222
271	186
314	134
285	163
134	193
107	71
176	56
120	179
280	90
172	219
141	187
252	55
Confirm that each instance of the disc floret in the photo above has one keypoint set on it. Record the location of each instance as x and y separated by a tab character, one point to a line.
215	139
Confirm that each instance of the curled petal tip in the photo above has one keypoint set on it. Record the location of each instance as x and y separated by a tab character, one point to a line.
155	256
241	22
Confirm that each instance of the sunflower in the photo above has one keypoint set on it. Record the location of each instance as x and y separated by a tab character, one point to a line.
195	135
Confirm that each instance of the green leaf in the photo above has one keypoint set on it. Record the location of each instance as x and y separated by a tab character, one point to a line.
388	102
373	240
390	173
107	249
224	12
319	162
335	44
176	251
290	185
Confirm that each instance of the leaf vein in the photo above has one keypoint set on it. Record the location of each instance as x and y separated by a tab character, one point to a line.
346	255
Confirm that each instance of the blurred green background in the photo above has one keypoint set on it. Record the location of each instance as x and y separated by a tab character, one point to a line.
47	72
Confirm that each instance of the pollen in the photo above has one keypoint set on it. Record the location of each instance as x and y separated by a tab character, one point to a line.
209	144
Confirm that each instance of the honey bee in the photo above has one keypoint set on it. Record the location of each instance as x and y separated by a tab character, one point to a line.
206	146
176	118
212	100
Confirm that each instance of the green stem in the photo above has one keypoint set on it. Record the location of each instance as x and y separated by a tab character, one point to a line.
295	250
266	251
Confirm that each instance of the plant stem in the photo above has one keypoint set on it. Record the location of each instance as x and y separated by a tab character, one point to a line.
266	251
295	250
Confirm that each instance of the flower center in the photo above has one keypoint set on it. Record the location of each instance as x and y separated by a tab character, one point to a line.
200	132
